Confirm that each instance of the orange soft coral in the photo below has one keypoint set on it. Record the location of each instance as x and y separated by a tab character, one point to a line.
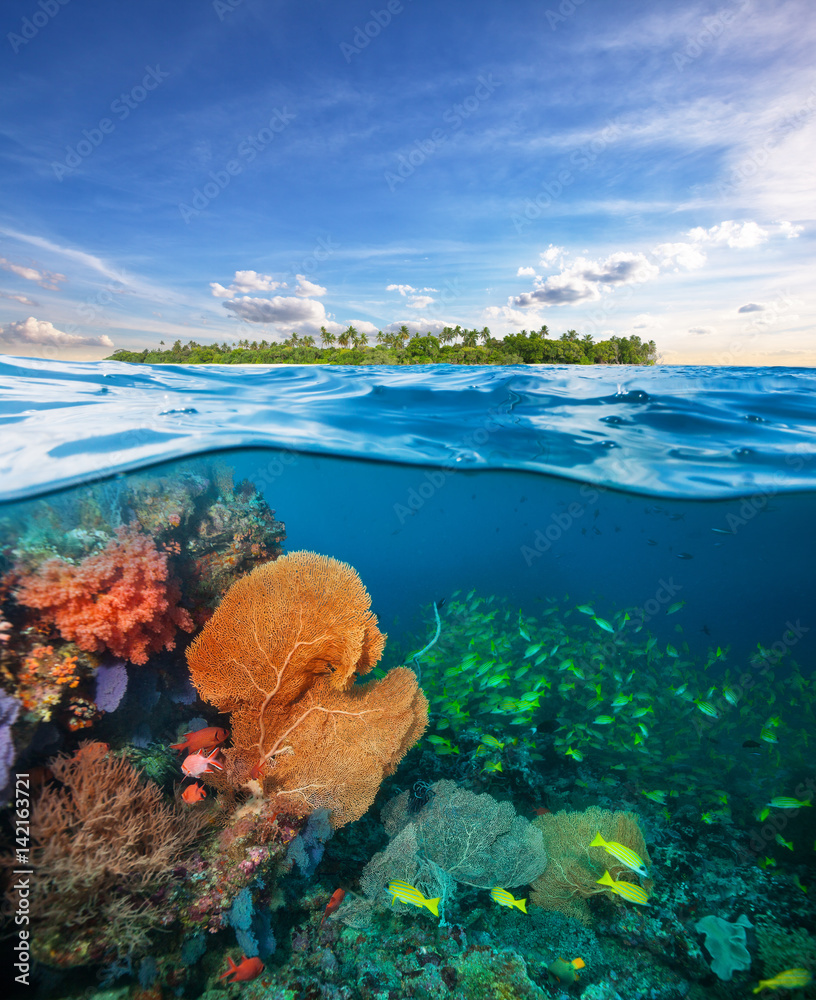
120	599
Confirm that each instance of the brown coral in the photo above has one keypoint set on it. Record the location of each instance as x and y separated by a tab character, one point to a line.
572	874
103	842
281	653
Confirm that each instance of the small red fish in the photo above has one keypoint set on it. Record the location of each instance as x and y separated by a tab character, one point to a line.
250	968
196	764
193	793
337	898
202	739
542	811
257	769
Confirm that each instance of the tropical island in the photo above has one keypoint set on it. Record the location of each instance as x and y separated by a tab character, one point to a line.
452	346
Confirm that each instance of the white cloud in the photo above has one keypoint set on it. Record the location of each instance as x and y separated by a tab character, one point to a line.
752	307
45	279
23	299
739	235
280	309
680	255
306	288
244	282
549	256
585	279
526	272
421	302
702	329
34	331
789	230
402	289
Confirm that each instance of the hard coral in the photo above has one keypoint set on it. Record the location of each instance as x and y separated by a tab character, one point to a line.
121	599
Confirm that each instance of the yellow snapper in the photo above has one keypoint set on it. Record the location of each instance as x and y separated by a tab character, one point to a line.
505	898
408	894
788	979
626	890
623	854
788	802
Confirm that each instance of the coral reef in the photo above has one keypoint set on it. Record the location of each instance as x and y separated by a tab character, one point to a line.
103	842
570	879
281	654
121	599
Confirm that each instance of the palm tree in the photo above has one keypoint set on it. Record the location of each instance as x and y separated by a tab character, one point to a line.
543	331
403	334
344	338
485	336
469	338
308	341
447	335
326	338
382	338
362	340
354	336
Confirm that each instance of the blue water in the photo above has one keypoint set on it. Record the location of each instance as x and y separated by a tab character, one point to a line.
683	497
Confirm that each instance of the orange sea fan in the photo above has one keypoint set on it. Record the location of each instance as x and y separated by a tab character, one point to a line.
281	653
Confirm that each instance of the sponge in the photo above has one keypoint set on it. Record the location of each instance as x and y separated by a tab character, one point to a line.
726	944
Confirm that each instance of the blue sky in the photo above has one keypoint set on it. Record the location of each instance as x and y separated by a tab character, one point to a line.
245	168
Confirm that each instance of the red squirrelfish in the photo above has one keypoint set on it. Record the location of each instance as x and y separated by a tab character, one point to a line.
337	898
193	793
202	739
196	764
250	968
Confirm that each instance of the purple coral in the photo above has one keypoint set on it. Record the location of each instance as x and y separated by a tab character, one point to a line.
111	684
9	710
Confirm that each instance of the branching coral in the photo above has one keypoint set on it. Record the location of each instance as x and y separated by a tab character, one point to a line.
103	842
281	653
574	867
121	599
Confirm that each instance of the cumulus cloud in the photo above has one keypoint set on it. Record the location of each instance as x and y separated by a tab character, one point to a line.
244	282
549	256
45	279
585	279
679	255
280	309
421	302
789	230
41	332
408	289
752	307
738	235
420	325
526	272
306	288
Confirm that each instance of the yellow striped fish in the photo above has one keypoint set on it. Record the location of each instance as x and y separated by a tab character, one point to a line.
408	894
626	890
623	854
789	978
505	898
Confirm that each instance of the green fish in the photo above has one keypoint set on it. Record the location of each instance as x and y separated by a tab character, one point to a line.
604	720
638	713
656	796
585	609
492	766
672	651
604	624
783	843
491	741
706	708
788	802
532	650
675	607
504	898
575	754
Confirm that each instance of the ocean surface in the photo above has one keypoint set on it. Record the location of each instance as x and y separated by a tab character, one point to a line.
597	584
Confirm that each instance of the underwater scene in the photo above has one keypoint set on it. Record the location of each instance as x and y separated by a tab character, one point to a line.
497	685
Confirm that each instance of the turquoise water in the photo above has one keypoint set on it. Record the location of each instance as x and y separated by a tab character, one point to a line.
600	579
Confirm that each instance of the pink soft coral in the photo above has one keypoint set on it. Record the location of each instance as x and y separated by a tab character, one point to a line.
120	599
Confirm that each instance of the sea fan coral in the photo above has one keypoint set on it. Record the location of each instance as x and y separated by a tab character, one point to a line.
571	877
121	599
281	653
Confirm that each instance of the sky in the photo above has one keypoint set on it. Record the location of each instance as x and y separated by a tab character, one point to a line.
221	170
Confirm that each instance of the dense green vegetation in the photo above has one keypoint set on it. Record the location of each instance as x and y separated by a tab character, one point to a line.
453	346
